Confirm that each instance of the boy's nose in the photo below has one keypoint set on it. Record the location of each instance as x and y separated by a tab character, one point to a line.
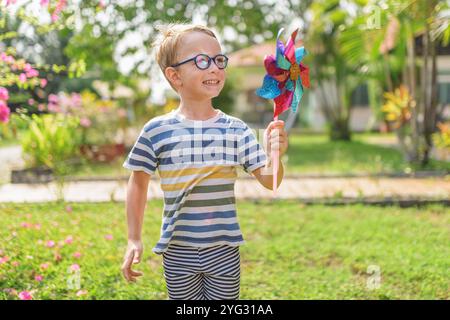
213	67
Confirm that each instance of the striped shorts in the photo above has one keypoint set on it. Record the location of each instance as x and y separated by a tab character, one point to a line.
211	273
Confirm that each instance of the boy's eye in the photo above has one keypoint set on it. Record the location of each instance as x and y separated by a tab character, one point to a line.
202	61
221	61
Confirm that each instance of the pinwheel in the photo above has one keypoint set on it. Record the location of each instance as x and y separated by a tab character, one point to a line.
284	83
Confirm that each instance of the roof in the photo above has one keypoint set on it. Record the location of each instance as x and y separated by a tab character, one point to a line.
254	55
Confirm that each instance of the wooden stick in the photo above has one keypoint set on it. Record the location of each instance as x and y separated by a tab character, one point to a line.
275	158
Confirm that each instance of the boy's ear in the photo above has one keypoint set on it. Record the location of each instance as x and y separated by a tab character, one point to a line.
173	76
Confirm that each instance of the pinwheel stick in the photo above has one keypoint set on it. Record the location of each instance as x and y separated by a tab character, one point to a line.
275	158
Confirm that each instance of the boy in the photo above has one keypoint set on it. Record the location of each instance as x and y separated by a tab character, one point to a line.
196	149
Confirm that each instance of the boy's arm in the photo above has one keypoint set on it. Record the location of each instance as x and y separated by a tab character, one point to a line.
275	138
135	207
265	174
136	201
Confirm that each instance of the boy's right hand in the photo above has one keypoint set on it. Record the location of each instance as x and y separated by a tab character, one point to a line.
132	256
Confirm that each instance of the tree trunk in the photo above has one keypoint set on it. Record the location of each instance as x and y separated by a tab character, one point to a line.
412	154
430	106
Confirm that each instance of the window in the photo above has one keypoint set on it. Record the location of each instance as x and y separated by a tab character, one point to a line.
360	96
444	93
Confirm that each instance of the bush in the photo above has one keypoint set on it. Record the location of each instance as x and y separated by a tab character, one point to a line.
51	140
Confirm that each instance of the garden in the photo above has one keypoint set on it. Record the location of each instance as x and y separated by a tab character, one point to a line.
78	80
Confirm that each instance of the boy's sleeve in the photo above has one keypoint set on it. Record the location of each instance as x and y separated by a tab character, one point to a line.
142	156
251	154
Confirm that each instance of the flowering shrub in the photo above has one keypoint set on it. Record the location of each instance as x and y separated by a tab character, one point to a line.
397	109
442	138
50	141
100	121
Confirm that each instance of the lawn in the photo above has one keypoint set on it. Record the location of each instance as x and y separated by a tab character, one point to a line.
295	252
311	154
308	154
316	154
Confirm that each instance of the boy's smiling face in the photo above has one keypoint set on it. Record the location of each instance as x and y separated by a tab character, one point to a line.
190	81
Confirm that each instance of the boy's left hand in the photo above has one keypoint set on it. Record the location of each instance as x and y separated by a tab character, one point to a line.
277	138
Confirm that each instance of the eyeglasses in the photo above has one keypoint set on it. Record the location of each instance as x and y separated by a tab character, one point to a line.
203	61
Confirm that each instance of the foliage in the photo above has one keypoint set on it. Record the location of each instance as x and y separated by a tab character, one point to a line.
99	119
51	140
442	138
397	108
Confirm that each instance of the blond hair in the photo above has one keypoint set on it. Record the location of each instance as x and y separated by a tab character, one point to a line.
168	40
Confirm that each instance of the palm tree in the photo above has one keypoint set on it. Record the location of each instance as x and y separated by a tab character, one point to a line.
403	50
335	74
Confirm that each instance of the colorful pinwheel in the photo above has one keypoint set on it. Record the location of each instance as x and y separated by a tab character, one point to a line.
286	76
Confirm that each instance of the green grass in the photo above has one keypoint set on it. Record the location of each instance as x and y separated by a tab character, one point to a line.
292	251
309	154
97	169
312	154
316	154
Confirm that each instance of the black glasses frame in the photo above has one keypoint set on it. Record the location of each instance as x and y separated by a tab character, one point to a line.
209	61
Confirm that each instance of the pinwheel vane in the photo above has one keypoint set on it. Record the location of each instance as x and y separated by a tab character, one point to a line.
284	82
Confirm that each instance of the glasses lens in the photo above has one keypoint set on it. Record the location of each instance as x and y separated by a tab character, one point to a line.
202	61
221	61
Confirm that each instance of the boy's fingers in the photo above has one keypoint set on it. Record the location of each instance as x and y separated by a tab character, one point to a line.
275	124
136	273
137	256
275	133
126	266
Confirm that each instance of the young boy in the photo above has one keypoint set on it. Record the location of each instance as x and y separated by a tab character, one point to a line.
196	149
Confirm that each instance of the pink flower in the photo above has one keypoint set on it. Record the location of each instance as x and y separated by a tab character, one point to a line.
4	95
77	255
32	73
4	112
75	100
109	237
15	263
27	67
74	267
4	259
81	293
8	59
85	122
8	2
25	295
50	244
44	266
53	108
43	83
37	226
26	225
41	107
38	278
22	77
69	208
53	98
69	240
44	2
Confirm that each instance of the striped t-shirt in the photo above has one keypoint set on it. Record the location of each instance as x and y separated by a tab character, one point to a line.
197	162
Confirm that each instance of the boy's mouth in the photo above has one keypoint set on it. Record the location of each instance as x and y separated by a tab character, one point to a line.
211	82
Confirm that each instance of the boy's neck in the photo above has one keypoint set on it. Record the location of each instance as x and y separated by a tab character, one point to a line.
196	110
